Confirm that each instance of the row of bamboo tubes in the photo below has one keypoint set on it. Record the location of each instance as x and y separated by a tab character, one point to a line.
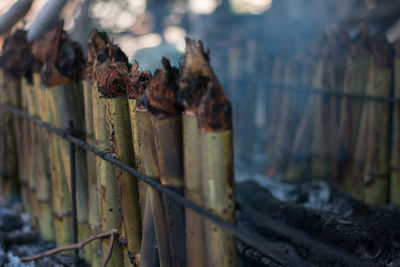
349	141
174	126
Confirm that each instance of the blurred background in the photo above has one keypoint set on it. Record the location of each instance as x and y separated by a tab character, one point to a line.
254	46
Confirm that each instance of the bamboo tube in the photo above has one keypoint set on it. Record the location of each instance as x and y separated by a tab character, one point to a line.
136	79
149	163
287	118
301	149
66	104
395	156
319	147
167	126
43	193
213	112
336	84
14	51
112	77
273	114
93	207
190	95
377	169
109	216
357	68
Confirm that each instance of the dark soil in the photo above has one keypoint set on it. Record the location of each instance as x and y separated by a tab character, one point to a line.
371	234
18	239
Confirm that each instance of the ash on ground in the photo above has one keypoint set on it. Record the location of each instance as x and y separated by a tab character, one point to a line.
19	239
322	211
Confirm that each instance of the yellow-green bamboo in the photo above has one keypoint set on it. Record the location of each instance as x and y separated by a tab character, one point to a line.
107	185
136	151
301	149
273	114
350	116
218	193
377	169
320	165
195	243
168	142
149	163
42	185
66	104
119	131
395	156
92	252
9	165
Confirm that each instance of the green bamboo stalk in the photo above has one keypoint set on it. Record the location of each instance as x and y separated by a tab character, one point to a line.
213	112
319	147
377	169
9	180
149	163
287	117
301	149
356	80
113	78
91	254
43	194
395	156
107	186
273	114
167	128
108	196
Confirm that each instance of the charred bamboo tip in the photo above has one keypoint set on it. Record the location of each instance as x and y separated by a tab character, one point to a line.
61	57
136	78
97	42
112	72
160	96
15	58
196	72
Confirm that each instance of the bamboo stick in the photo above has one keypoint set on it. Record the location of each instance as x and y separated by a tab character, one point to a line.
377	169
109	216
44	183
213	113
167	127
66	104
149	163
190	95
301	149
112	77
286	123
273	114
93	207
395	156
319	148
357	68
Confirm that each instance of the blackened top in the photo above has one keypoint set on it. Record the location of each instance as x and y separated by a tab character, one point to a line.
160	96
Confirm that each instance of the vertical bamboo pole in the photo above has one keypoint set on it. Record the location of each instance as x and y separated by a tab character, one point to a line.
167	127
149	164
112	77
109	217
301	149
66	104
92	251
356	80
319	148
190	93
273	114
213	113
377	169
395	156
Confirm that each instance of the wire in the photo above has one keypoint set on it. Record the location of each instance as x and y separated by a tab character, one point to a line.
252	240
